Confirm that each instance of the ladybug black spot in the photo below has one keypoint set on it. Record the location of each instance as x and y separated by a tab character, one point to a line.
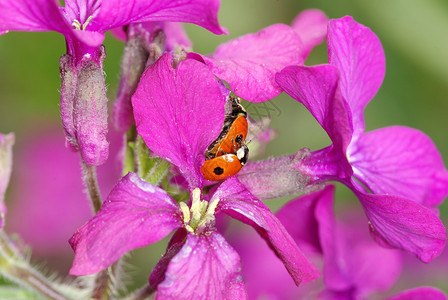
218	171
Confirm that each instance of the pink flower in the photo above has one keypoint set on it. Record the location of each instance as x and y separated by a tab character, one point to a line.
179	112
399	165
249	63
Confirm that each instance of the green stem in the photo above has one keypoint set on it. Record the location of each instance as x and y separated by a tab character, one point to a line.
15	267
91	182
142	293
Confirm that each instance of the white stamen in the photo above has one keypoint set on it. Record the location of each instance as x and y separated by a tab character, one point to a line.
185	212
212	206
79	26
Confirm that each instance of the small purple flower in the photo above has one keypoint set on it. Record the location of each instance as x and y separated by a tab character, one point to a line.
249	63
354	266
179	112
6	143
137	213
84	23
400	166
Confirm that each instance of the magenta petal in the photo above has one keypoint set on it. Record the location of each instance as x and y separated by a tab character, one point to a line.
401	161
176	36
36	15
236	201
358	55
116	13
135	214
311	25
81	10
404	224
206	267
315	87
249	63
179	112
420	293
352	261
299	218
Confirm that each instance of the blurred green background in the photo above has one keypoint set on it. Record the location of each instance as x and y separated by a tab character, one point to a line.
414	35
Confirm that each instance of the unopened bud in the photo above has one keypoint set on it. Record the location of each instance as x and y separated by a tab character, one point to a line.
90	114
84	106
6	143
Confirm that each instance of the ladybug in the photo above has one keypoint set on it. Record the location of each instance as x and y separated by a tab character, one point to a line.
224	166
228	153
234	131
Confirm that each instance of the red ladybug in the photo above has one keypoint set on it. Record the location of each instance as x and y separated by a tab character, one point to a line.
228	154
234	131
224	166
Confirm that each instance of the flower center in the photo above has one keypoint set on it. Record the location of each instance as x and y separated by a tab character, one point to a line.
200	214
79	26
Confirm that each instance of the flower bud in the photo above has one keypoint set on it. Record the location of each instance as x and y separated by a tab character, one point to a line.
84	106
6	143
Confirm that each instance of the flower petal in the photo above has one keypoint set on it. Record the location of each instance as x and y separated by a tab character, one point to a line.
358	55
37	15
116	13
420	293
352	261
179	113
82	10
404	224
249	63
315	87
206	267
237	202
311	25
135	214
401	161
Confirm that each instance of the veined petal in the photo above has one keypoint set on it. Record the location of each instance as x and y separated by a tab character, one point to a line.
401	161
135	215
179	112
116	13
420	293
298	217
37	15
315	87
352	261
404	224
358	55
249	63
82	10
237	202
206	267
311	25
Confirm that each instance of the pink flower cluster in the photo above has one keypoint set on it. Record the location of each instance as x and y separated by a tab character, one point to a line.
172	104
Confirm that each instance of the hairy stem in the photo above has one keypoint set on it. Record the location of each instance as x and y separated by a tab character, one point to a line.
16	268
142	293
91	182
